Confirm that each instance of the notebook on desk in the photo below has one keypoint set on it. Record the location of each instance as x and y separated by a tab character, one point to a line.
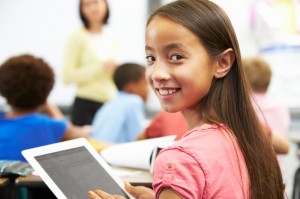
71	168
136	154
14	168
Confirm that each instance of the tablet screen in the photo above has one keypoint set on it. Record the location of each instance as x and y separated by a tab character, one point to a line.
75	171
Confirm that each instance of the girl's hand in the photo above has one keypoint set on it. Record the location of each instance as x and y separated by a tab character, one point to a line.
139	192
98	194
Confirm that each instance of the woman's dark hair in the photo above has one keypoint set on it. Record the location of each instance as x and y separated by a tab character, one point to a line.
85	21
228	101
26	81
126	73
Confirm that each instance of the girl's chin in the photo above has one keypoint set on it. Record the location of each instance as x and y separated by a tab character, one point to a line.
170	109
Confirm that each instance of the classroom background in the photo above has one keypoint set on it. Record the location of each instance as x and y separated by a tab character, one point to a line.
264	27
269	28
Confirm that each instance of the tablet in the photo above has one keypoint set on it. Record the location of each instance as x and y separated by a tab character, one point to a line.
72	168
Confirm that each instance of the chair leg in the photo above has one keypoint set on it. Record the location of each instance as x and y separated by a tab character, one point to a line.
296	187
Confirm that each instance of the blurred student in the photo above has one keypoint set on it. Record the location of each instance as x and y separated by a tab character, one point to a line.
90	59
25	83
122	118
272	113
164	124
269	110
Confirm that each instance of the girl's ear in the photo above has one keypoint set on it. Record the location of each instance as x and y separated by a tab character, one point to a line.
224	63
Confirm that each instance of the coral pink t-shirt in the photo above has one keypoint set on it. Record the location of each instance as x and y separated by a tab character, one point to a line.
205	163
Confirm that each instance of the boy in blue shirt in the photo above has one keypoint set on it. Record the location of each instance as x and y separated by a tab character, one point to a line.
122	118
25	83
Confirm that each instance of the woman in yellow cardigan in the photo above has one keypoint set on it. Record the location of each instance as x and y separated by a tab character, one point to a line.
90	60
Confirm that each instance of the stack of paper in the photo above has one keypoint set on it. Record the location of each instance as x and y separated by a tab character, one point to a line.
135	154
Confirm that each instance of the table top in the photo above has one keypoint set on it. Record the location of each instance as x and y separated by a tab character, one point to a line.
4	181
136	177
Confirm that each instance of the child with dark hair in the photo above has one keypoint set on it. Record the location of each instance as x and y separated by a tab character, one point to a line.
25	83
122	118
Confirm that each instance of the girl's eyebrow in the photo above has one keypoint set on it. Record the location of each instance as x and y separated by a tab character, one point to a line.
148	48
174	46
168	47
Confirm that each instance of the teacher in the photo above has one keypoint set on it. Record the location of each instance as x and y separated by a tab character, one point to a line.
90	60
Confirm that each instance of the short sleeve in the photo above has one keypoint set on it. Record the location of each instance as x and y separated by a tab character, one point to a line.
59	127
176	168
107	123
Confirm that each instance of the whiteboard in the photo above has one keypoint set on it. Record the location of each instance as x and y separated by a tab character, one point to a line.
42	28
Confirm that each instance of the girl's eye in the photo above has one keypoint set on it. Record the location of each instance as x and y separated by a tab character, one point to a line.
150	58
176	57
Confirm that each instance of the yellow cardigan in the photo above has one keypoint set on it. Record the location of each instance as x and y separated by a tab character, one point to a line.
84	67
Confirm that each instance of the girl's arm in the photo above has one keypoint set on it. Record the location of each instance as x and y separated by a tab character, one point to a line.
168	193
138	192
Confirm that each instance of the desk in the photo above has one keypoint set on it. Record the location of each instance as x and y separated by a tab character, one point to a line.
134	176
4	182
7	188
38	189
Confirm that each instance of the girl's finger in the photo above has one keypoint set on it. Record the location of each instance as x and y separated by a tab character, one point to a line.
118	197
103	194
93	195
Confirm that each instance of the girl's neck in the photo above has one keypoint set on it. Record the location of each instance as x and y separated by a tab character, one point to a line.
192	119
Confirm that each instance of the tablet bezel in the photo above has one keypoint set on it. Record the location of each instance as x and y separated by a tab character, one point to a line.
30	155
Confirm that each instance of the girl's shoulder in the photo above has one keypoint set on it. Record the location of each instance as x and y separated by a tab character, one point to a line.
205	129
208	137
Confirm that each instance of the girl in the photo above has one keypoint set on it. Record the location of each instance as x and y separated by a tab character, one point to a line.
194	66
90	60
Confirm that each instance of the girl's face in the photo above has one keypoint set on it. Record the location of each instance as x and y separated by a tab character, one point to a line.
179	69
94	10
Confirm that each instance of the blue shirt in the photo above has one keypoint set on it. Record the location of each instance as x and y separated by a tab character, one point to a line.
120	119
33	130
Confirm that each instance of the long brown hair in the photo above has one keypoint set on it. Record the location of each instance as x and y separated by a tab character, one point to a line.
228	100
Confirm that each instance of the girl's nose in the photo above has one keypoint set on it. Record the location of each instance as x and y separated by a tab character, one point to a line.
160	72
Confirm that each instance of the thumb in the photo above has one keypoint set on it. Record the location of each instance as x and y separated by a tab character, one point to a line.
132	189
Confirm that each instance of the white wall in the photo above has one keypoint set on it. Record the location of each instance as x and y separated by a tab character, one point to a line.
42	27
